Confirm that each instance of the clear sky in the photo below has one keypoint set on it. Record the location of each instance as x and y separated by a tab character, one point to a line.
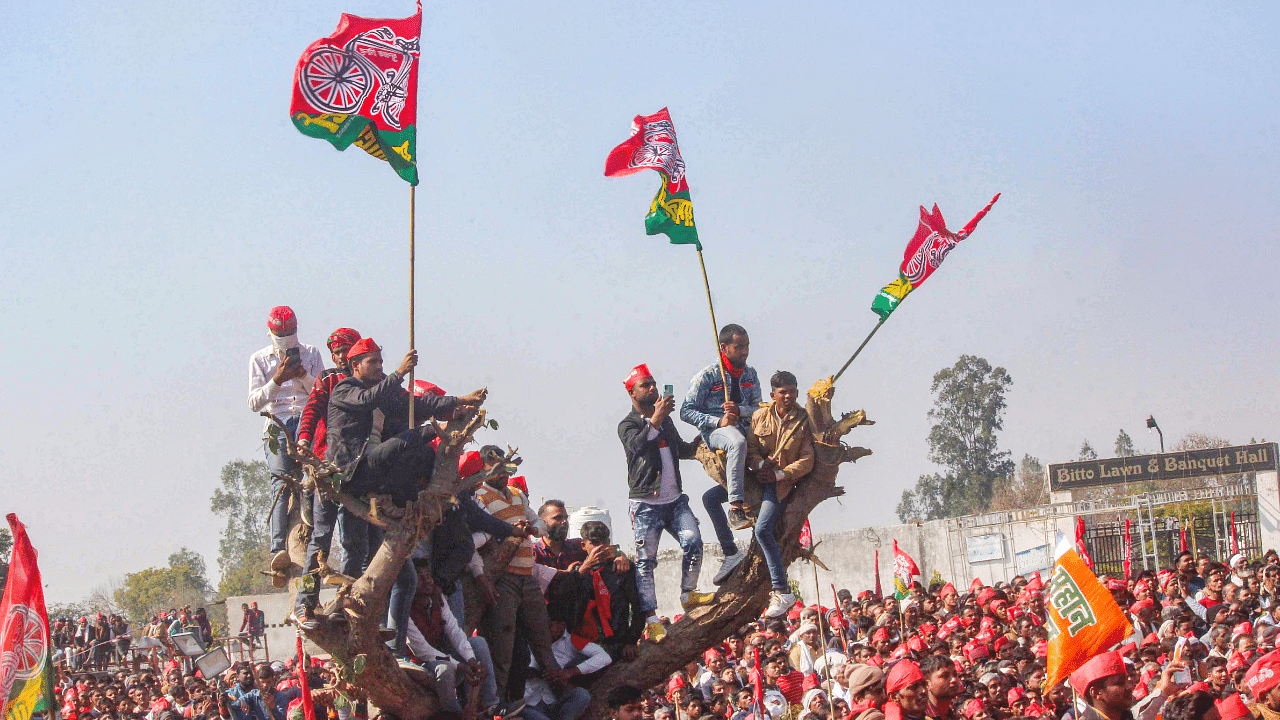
157	202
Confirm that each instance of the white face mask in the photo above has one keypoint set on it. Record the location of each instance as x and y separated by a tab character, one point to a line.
280	344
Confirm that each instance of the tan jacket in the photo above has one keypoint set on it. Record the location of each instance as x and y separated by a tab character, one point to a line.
787	441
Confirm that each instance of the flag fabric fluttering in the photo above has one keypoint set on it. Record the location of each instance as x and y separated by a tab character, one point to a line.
925	252
26	668
806	536
1128	551
904	571
879	594
1182	539
652	146
1083	619
1084	554
360	86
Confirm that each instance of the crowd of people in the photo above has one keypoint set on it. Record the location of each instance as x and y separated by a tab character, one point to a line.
501	602
94	643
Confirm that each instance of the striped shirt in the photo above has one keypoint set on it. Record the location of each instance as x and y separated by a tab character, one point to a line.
511	508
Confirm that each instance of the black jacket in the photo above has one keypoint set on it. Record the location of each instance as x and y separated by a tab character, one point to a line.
644	462
351	407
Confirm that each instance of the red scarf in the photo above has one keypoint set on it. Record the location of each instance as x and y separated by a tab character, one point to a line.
734	372
602	603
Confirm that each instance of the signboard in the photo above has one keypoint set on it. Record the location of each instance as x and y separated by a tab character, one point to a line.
1165	466
982	548
1029	561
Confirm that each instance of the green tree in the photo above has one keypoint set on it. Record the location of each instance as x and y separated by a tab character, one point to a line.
1124	445
1087	452
146	592
968	410
1025	489
244	499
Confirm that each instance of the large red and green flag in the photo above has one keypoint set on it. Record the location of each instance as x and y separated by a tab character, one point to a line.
905	571
652	146
925	252
26	670
360	86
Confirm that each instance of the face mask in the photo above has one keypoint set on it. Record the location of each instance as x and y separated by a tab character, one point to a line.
280	344
559	532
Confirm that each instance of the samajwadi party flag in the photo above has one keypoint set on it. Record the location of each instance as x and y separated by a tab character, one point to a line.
925	252
1084	619
360	86
26	670
652	146
904	570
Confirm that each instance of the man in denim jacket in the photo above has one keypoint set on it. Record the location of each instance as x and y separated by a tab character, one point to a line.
724	424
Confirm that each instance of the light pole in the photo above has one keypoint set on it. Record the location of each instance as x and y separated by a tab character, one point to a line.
1151	423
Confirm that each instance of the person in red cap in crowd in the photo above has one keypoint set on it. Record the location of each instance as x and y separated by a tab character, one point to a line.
1106	686
1263	682
942	685
280	377
950	600
654	450
1232	707
368	436
907	690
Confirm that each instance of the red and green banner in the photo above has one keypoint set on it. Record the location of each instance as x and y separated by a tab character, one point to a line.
925	252
360	86
652	146
26	669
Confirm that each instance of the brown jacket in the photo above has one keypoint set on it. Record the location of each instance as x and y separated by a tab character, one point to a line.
787	441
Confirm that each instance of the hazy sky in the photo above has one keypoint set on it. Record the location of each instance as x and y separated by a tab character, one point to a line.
157	202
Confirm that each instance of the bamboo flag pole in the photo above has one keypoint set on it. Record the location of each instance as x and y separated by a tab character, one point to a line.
715	328
859	350
826	661
413	207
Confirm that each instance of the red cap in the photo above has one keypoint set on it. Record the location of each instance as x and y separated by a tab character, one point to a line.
1040	649
709	654
916	644
637	372
902	674
975	706
986	596
998	602
810	682
469	463
1232	707
880	635
342	338
1001	642
1244	628
1142	605
282	321
948	589
1264	675
1150	638
1098	667
975	651
1016	694
1033	585
519	482
975	586
422	388
361	347
1237	661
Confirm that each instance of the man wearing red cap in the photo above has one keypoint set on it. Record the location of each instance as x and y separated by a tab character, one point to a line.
1263	681
280	377
654	450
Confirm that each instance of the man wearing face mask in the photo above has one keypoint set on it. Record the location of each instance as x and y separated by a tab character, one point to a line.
280	378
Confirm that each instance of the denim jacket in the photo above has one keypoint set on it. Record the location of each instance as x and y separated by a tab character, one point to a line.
701	406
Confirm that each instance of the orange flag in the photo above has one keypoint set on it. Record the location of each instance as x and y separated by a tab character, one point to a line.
1084	619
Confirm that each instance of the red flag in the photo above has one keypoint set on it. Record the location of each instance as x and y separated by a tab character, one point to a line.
308	708
879	595
1235	546
1084	554
806	536
360	85
1182	538
653	146
26	673
1128	551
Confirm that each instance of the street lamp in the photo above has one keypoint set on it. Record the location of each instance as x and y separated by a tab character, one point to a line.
1151	423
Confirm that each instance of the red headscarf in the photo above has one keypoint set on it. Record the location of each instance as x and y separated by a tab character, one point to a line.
282	321
361	347
342	338
637	373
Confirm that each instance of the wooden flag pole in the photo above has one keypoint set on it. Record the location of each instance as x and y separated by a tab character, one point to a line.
413	207
715	328
855	352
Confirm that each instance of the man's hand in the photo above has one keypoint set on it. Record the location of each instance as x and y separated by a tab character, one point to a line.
409	362
730	414
1167	686
288	370
595	559
475	398
621	563
473	671
487	591
662	410
521	529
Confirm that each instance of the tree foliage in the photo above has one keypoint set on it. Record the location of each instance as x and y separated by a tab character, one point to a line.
147	592
1124	445
244	499
969	404
1087	452
1025	489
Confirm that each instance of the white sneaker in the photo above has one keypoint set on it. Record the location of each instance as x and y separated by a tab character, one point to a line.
779	604
728	566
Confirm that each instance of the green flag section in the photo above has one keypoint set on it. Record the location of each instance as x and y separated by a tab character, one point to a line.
652	146
671	214
359	86
925	252
399	149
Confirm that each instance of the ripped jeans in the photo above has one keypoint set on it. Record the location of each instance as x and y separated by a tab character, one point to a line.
647	522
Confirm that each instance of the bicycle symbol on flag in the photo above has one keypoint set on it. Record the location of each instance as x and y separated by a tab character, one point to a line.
339	80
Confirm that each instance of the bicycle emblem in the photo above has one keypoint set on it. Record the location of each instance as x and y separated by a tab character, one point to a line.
338	80
30	645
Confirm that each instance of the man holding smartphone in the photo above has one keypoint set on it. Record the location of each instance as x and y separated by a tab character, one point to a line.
280	378
654	449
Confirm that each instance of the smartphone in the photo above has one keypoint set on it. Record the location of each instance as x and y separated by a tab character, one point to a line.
668	391
291	354
1180	655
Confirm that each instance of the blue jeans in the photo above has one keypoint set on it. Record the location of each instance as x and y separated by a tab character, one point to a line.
766	528
488	686
281	463
328	516
647	522
568	707
734	444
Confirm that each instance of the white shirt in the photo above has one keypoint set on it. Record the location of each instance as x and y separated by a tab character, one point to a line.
287	399
668	490
536	690
457	638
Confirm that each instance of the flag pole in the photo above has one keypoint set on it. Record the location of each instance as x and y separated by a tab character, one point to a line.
826	662
413	207
859	350
715	328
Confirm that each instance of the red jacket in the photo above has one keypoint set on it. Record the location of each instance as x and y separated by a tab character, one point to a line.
311	427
